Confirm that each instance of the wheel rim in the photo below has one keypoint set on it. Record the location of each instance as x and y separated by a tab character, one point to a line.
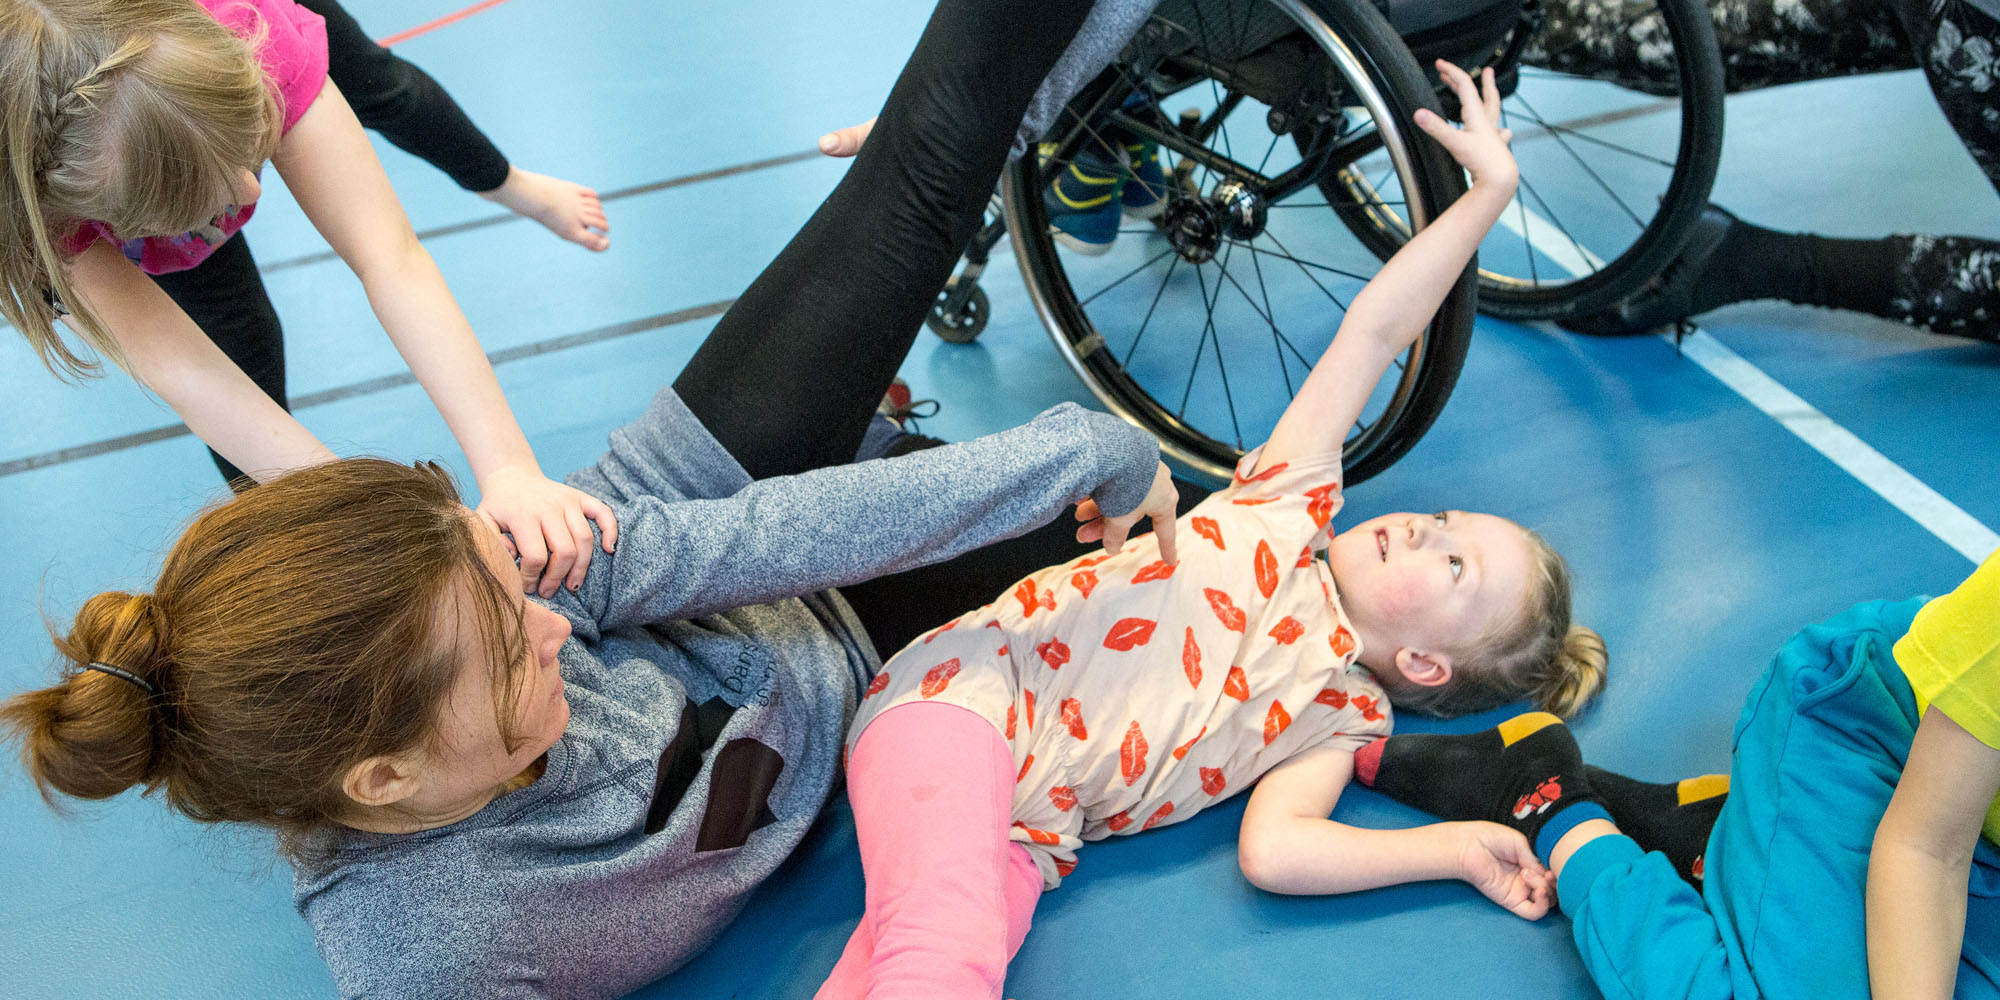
1610	175
1250	228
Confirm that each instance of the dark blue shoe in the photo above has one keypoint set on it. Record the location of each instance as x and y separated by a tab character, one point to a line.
1145	193
1082	202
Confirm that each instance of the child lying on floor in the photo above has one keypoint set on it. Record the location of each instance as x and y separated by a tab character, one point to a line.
1116	693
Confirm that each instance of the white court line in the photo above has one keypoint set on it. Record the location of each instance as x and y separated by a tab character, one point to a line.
1937	515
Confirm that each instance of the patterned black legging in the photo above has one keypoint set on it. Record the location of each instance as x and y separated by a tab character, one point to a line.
1949	284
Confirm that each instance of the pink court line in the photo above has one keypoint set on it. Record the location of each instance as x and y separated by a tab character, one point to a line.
429	26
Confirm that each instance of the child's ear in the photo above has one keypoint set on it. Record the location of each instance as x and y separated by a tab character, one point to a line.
380	781
1424	668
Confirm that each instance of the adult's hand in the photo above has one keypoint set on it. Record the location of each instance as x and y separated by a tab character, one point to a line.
1159	507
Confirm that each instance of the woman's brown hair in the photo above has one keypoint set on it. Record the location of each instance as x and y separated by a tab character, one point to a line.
295	631
134	113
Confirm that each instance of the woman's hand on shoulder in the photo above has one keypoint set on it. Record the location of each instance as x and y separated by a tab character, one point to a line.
1499	862
1160	507
546	524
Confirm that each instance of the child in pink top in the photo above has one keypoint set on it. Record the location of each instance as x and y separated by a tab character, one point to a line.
151	121
1129	690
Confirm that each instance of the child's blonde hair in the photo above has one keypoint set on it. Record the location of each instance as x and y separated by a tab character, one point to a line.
134	113
1539	654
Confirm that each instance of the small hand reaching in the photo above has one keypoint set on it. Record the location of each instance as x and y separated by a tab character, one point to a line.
1160	507
1498	862
546	524
1480	146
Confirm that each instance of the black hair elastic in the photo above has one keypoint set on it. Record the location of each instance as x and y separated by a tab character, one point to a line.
143	684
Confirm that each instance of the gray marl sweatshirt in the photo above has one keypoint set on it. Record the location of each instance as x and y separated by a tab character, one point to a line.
710	677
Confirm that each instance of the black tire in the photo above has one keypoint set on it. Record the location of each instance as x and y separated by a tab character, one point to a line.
1511	284
1357	61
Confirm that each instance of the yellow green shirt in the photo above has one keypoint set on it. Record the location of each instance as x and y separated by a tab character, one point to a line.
1952	658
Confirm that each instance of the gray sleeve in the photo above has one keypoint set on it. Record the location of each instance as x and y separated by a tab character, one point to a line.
1110	24
792	535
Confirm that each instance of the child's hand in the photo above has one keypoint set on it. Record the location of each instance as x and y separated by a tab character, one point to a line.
1159	507
546	524
1481	146
1498	862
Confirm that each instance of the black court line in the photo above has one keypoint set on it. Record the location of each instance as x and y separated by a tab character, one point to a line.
365	387
635	190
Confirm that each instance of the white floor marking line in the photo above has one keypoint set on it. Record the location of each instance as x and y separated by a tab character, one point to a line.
1937	515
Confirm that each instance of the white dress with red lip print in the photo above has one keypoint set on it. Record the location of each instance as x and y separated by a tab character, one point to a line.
1134	693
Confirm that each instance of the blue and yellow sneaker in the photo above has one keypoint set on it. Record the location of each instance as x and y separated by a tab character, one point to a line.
1083	203
1145	193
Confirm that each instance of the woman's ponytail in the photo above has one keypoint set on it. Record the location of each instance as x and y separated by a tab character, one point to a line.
98	733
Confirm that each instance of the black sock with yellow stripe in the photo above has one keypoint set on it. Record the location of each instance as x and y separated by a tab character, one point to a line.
1673	818
1526	773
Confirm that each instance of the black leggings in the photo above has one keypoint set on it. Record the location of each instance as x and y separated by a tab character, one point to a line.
396	98
1948	284
225	296
789	377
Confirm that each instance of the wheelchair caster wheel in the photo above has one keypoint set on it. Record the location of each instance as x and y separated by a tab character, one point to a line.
960	324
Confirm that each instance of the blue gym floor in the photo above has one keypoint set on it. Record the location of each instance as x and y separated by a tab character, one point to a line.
1701	532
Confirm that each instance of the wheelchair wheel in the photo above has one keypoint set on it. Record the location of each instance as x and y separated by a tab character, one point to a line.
1616	107
1201	325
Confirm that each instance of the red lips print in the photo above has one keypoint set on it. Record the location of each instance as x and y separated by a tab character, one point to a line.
1181	752
1030	697
1063	868
1009	732
1026	762
1039	836
1032	598
1368	707
1064	797
1267	570
1212	781
1119	821
946	627
1207	528
1132	754
1191	659
938	677
1305	558
1054	653
875	686
1342	640
1275	722
1158	569
1158	814
1237	684
1084	580
1331	698
1129	633
1287	631
1321	507
1232	616
1261	476
1072	718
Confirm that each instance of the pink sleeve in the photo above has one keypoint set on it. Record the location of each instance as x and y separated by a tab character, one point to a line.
294	49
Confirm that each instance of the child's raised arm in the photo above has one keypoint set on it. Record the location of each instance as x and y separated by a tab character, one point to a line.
1388	314
1288	845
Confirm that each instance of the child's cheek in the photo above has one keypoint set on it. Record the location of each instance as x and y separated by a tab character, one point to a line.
1402	595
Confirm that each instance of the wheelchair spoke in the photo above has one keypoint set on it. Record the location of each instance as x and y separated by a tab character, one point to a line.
1222	370
1126	275
1571	128
1303	264
1141	335
1589	258
1536	115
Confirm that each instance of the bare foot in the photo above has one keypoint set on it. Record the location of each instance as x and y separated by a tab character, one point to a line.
570	211
846	141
